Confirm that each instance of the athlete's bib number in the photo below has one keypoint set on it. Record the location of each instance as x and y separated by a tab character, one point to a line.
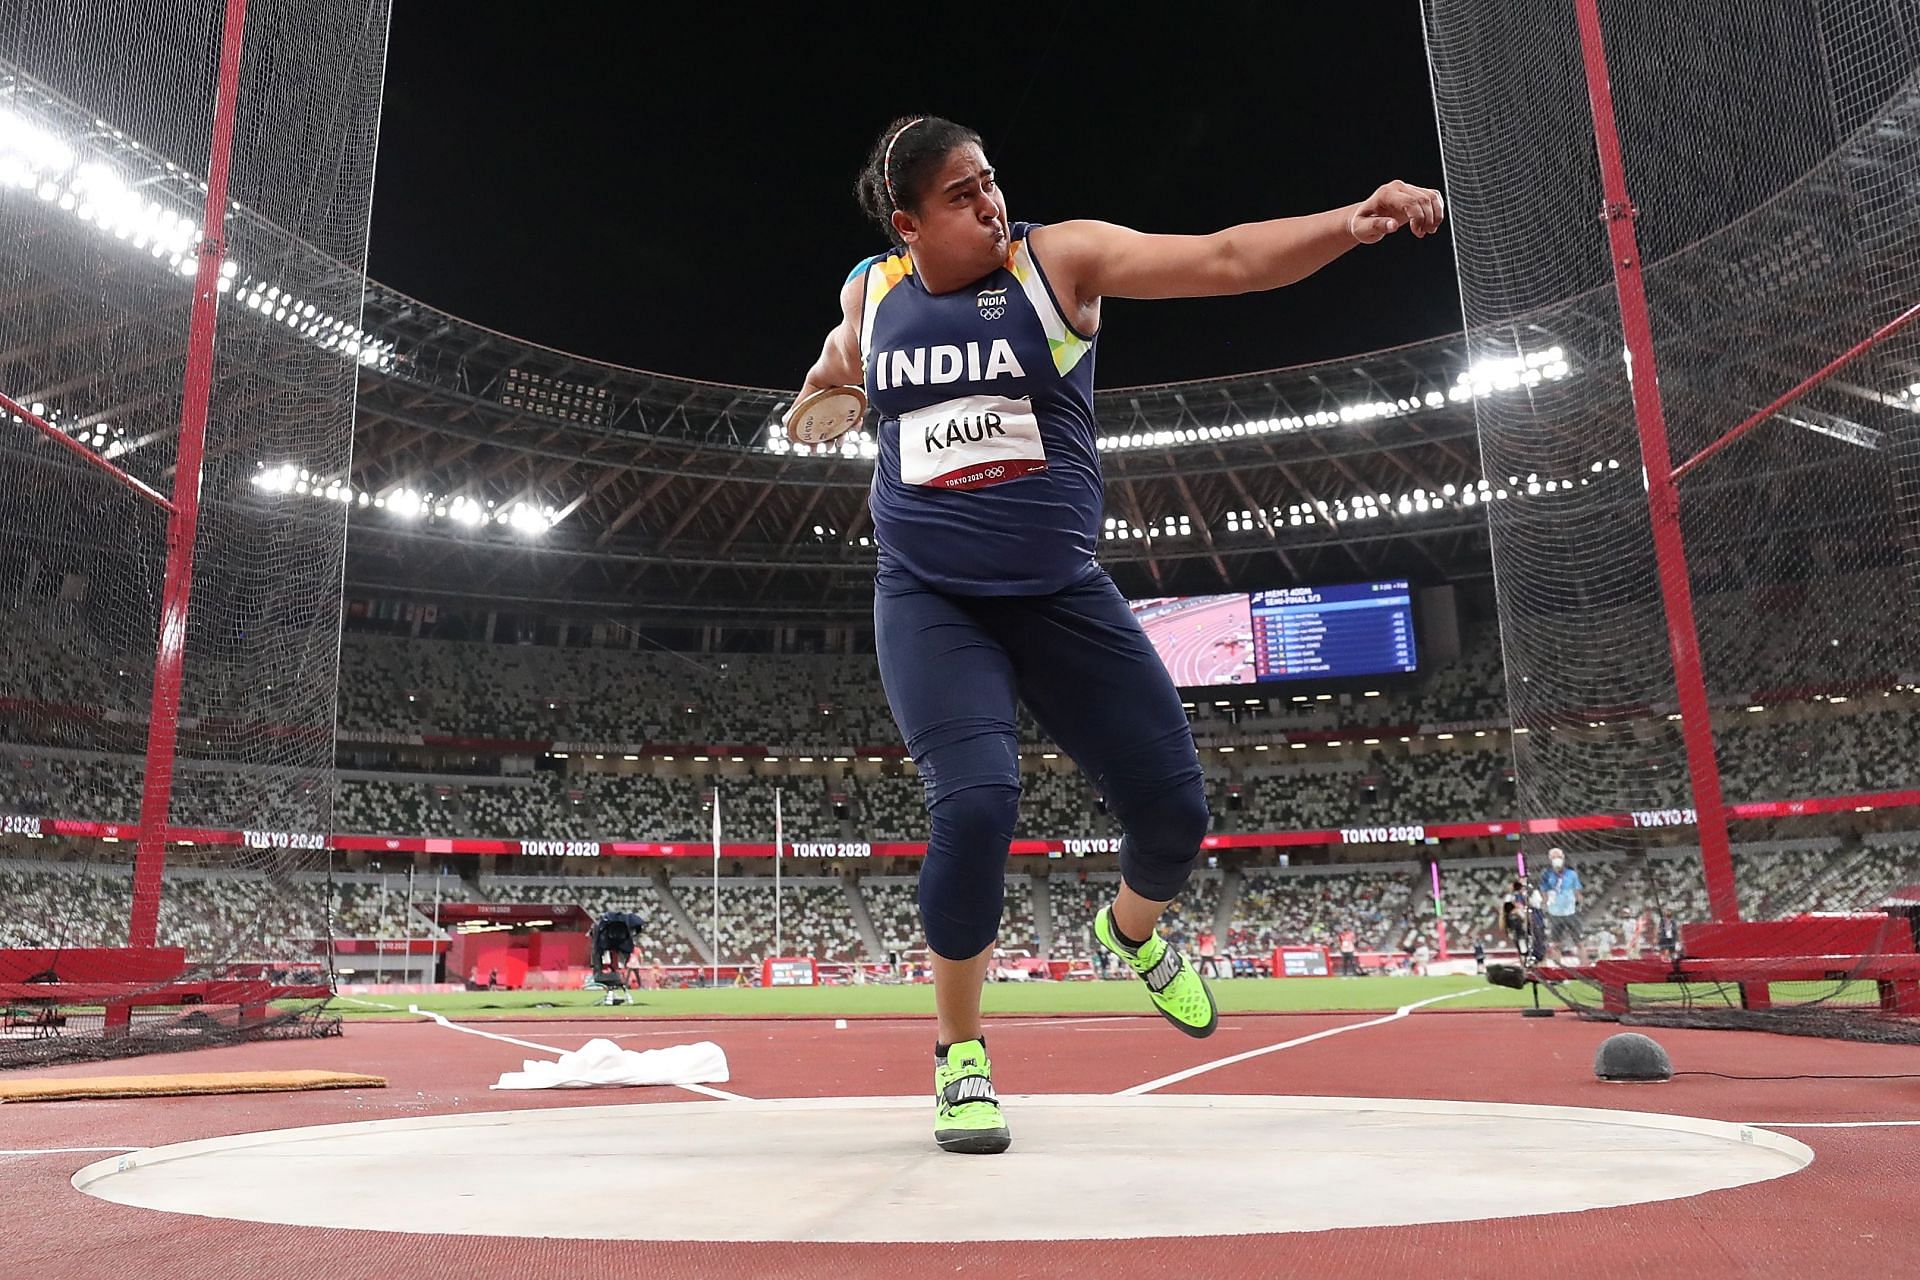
970	443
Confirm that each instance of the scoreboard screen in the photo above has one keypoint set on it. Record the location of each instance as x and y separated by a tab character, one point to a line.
1294	633
788	971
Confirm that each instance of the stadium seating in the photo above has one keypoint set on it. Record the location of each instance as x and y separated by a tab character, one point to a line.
814	917
1835	753
222	916
661	939
1310	906
893	906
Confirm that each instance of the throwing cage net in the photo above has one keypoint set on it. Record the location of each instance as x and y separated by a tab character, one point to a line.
184	194
1705	535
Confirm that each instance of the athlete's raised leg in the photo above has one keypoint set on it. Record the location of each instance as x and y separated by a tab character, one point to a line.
1090	675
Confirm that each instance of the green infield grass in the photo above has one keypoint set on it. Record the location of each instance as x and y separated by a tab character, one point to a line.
1236	995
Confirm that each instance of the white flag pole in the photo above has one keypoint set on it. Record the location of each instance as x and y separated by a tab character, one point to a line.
716	883
779	842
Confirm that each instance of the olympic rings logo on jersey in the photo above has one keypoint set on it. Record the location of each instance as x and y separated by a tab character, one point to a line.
992	303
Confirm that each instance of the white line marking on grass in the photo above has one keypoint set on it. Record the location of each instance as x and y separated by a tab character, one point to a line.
369	1004
61	1151
705	1090
1294	1043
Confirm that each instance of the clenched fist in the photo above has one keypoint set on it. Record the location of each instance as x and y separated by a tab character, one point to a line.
1393	206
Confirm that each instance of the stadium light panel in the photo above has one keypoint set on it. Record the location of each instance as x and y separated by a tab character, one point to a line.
98	195
1485	377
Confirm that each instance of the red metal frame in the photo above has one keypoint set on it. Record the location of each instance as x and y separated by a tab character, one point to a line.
164	715
1663	502
78	450
1805	385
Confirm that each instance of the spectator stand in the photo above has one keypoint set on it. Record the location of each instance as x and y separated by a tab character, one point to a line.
1309	905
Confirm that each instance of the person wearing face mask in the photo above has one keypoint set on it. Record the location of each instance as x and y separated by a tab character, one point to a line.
1560	884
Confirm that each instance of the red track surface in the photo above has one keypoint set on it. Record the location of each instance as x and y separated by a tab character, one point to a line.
1198	643
1850	1214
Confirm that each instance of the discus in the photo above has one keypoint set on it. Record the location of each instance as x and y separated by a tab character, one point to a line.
826	415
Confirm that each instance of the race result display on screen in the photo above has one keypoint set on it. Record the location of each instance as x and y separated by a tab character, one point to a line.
1363	629
1294	633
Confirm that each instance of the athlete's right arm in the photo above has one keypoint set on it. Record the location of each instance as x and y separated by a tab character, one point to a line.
839	362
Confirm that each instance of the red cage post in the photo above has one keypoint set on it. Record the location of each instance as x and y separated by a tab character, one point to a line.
1663	502
184	521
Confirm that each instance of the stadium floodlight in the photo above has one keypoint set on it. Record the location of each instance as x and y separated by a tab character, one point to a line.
464	510
530	519
29	150
1485	377
100	196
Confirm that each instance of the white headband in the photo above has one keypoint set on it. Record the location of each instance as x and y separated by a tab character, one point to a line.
886	161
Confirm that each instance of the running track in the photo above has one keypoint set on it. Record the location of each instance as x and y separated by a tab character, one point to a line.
1195	643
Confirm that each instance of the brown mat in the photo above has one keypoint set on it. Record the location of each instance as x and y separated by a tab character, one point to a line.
169	1086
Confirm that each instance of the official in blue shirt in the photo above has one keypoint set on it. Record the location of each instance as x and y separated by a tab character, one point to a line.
1561	885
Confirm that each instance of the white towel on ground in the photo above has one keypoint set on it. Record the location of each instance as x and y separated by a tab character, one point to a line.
602	1063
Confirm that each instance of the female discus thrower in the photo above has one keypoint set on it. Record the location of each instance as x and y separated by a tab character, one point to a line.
974	338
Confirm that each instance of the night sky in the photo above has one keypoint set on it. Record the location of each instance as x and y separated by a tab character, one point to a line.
671	186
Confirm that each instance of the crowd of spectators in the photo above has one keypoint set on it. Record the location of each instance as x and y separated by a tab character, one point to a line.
75	763
1312	906
1869	749
78	654
223	915
219	916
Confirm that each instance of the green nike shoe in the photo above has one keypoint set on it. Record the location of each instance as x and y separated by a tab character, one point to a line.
1176	990
967	1115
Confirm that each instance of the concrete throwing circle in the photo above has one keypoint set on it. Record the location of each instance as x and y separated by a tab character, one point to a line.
866	1169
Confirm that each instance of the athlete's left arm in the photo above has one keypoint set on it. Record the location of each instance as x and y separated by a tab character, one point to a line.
1107	261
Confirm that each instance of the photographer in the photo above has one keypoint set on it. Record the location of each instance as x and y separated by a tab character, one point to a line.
611	946
1515	920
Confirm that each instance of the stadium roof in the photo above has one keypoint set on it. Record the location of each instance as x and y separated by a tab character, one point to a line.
490	470
664	493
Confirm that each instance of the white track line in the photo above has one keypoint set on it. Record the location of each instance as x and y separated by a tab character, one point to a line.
1297	1041
369	1004
547	1048
1835	1124
61	1151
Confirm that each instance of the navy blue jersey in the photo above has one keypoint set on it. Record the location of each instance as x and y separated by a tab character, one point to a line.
988	479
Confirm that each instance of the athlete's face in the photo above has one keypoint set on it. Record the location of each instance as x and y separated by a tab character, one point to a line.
962	217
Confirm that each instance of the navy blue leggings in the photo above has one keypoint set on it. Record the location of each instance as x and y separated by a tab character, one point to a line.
953	667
